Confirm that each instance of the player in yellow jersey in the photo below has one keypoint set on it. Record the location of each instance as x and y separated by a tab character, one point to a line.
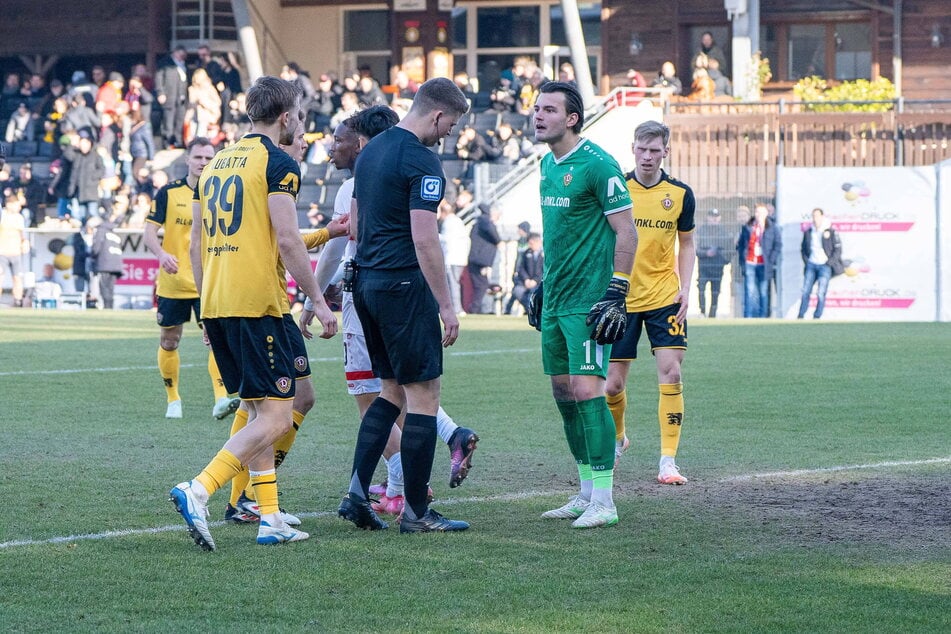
177	295
244	234
657	300
242	506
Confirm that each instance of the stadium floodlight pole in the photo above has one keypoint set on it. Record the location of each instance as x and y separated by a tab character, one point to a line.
249	41
579	52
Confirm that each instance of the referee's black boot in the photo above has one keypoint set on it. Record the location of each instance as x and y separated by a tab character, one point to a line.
358	511
431	522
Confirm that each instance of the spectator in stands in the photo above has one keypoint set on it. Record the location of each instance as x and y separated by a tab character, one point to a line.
109	95
370	94
230	84
239	123
529	92
210	65
702	89
60	170
322	106
528	272
13	244
509	147
405	91
713	254
759	248
141	143
10	95
141	72
80	242
472	146
204	106
79	84
140	99
635	79
81	116
462	81
98	76
292	72
86	172
349	106
455	239
722	86
171	86
32	191
566	72
667	80
503	96
20	127
45	106
484	245
708	49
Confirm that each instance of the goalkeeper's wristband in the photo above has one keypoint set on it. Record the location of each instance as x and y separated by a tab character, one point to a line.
617	289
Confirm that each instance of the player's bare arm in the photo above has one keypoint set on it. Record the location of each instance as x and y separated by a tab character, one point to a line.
625	246
431	263
686	258
167	261
194	249
294	255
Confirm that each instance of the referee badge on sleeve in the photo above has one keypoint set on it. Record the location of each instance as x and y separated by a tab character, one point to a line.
431	188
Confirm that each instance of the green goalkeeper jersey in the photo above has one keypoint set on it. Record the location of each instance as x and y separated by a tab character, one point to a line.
578	192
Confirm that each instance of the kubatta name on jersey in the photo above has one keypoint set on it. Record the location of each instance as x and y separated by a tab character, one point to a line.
231	162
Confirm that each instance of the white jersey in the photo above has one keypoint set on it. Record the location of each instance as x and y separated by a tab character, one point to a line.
342	204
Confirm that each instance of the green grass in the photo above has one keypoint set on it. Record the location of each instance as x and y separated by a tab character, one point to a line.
87	450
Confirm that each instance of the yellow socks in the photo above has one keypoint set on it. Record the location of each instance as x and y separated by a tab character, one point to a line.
216	383
169	364
222	468
618	405
283	444
670	414
240	481
265	491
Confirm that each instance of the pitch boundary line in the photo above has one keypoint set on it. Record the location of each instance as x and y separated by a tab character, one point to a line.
504	497
854	467
472	353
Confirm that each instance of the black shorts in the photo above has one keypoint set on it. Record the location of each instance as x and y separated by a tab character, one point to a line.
175	312
401	324
255	356
298	348
663	331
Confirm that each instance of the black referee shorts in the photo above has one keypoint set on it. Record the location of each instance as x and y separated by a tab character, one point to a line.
400	319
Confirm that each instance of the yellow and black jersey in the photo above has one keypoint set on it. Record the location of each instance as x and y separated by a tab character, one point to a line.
660	213
172	210
242	275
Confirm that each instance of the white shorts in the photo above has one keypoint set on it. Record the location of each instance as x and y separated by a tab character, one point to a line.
356	360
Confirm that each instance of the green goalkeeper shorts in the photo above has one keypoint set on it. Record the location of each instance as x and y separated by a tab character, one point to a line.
567	347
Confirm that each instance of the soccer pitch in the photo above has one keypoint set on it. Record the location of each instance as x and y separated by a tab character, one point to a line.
819	458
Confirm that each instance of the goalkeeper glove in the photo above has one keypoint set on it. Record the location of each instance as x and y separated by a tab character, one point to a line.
609	314
535	308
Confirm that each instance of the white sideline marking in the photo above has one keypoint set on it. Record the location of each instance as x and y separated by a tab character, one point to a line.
201	365
181	527
475	499
854	467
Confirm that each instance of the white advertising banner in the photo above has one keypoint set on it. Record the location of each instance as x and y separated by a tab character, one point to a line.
887	219
944	240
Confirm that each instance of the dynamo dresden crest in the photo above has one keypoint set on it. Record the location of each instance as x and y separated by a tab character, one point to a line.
667	202
300	364
567	179
283	385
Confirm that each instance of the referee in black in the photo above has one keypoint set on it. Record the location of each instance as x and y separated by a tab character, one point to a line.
401	292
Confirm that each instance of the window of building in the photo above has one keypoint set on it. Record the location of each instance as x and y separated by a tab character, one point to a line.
840	51
507	27
366	41
590	24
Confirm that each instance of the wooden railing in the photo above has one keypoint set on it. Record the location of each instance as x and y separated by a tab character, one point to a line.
720	153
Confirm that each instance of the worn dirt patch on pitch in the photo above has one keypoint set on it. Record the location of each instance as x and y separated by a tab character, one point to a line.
902	510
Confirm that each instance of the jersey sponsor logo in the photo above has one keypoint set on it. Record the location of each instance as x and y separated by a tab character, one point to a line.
556	201
290	184
283	385
647	223
667	202
616	189
431	188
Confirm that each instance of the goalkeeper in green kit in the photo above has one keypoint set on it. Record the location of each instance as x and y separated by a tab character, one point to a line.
589	242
